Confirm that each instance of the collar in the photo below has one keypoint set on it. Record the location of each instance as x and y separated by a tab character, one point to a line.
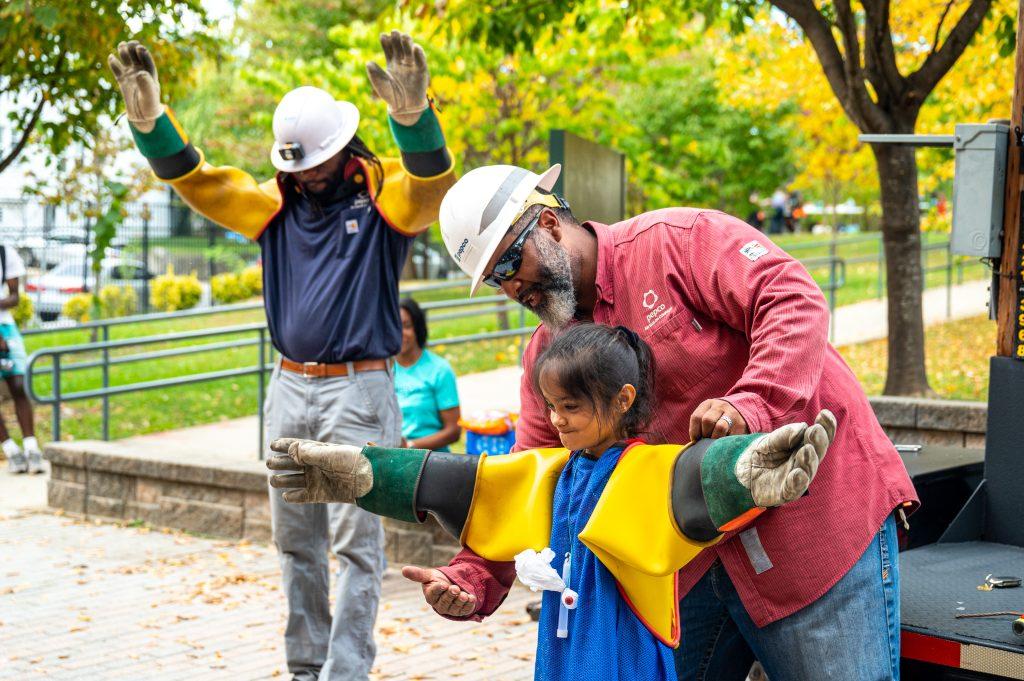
605	251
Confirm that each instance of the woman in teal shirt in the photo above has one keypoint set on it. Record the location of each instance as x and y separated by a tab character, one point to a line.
426	389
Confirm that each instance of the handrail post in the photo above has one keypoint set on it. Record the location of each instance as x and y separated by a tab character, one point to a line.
832	295
949	279
56	397
881	264
106	383
259	390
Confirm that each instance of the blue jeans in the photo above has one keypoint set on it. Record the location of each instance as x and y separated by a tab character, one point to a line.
852	632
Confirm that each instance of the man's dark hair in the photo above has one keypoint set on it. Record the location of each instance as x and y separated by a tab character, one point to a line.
591	362
357	147
419	320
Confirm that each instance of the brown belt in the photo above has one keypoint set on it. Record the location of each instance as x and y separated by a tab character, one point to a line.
316	370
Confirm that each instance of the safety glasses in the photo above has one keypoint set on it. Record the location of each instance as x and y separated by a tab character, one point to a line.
512	259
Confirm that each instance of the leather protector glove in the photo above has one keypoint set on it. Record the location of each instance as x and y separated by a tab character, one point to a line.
135	71
319	472
778	467
404	84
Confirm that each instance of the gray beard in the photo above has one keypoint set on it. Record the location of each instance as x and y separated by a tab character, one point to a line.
557	306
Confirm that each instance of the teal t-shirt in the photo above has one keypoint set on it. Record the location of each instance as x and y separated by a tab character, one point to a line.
424	390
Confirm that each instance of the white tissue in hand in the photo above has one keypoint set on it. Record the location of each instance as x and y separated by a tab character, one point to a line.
535	571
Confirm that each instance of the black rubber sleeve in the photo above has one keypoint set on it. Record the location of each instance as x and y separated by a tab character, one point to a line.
174	166
688	505
427	163
445	489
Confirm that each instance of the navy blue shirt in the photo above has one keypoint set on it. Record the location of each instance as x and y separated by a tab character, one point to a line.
330	280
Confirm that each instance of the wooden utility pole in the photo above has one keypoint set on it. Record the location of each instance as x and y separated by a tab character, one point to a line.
1010	305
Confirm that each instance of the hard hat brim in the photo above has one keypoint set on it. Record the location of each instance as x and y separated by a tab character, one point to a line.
546	181
314	157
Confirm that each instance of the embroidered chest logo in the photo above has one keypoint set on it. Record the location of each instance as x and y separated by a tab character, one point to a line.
656	309
362	200
351	226
752	250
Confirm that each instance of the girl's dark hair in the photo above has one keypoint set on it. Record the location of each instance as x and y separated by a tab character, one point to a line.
419	320
357	147
591	362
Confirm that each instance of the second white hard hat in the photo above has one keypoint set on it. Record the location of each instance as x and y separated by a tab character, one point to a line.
478	210
310	126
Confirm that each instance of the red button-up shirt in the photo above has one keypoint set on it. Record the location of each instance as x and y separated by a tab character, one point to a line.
728	314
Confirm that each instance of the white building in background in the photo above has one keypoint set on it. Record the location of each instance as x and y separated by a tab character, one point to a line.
23	216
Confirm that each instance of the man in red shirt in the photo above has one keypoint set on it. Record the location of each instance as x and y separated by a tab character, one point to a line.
739	332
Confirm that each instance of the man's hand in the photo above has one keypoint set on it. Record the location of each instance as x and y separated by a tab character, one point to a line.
136	76
443	596
404	84
319	472
715	418
779	467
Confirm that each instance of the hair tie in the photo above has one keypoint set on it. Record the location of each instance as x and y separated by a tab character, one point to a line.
631	336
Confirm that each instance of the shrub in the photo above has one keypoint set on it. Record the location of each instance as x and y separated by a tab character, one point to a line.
118	301
23	311
252	280
78	307
170	292
228	288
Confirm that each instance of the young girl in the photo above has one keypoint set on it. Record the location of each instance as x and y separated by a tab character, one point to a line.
620	516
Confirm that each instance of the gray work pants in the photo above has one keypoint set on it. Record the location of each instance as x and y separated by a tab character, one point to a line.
353	409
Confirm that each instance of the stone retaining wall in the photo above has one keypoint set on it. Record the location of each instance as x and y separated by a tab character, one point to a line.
222	499
229	498
911	420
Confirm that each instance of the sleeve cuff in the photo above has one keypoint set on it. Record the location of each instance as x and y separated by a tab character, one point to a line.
165	139
457	577
751	408
422	136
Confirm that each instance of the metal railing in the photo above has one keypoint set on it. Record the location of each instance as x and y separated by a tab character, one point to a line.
256	334
59	367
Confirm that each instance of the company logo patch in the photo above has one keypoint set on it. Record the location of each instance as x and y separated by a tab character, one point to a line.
462	249
351	226
658	311
650	299
753	250
362	200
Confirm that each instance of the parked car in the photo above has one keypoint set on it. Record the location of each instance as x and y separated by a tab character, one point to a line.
50	291
45	251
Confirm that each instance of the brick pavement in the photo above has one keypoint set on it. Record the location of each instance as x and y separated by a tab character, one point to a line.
90	600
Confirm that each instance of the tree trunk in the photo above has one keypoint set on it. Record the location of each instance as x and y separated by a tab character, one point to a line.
901	234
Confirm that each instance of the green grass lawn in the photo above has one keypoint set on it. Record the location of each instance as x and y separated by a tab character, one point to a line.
163	409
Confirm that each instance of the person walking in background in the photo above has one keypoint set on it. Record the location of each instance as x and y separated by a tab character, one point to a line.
425	383
13	360
778	209
334	226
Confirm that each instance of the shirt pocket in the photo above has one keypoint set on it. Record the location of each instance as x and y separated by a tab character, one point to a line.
685	352
350	225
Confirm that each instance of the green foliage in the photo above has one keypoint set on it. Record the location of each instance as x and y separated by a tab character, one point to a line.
232	287
112	301
171	292
80	307
252	279
694	146
23	311
118	301
227	288
53	61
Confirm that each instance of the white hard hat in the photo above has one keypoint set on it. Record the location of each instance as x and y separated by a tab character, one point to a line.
310	127
478	210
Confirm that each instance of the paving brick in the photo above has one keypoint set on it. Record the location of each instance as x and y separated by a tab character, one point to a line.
96	600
